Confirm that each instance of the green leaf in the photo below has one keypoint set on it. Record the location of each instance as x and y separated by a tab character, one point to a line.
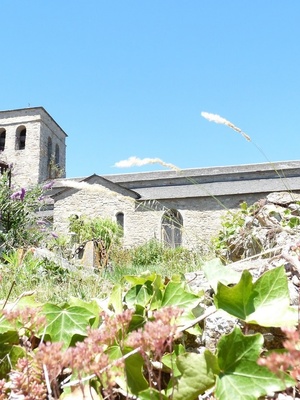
139	294
265	302
116	299
188	317
134	366
64	323
9	337
216	272
198	374
91	306
133	380
137	321
140	279
236	300
5	326
152	394
241	378
9	355
169	360
176	295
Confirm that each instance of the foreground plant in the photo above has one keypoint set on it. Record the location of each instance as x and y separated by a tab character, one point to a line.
287	361
133	346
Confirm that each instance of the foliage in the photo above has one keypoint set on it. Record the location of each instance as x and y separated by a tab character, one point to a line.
50	281
19	220
105	234
133	344
151	253
254	302
231	225
287	360
95	228
254	229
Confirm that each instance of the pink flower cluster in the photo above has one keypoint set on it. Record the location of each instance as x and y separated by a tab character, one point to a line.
288	361
158	335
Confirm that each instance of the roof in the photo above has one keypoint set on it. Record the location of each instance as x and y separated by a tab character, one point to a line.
30	109
65	185
206	182
219	188
209	173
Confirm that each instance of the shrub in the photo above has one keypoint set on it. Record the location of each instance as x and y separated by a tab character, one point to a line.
147	254
18	212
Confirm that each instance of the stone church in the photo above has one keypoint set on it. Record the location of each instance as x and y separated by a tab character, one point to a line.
178	208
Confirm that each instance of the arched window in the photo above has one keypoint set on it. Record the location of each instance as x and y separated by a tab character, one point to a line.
2	139
49	150
120	219
171	226
21	138
49	157
56	154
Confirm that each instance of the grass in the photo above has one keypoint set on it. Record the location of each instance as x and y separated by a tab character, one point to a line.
53	283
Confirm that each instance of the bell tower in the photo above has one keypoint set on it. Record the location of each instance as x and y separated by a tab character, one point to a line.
33	144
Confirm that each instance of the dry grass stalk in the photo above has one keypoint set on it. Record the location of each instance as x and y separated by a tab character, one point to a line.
220	120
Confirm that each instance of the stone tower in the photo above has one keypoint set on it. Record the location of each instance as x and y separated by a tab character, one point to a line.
34	144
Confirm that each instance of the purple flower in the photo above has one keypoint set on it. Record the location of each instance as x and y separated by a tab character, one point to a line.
54	235
19	195
48	185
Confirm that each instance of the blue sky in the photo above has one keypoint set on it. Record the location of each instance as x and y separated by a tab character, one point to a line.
130	78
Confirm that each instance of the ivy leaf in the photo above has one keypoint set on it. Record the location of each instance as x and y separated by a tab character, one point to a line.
198	374
64	323
9	356
142	278
115	299
265	302
152	394
133	380
216	272
134	366
176	295
236	300
272	302
169	360
139	295
91	306
9	337
241	378
8	333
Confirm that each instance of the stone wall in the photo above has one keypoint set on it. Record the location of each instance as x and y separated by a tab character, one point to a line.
93	201
30	164
142	220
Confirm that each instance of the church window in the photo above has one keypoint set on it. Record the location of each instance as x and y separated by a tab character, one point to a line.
171	226
21	138
49	150
56	154
49	157
2	139
120	219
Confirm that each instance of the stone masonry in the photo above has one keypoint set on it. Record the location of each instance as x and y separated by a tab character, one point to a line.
30	161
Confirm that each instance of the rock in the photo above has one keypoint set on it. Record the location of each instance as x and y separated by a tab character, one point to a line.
283	198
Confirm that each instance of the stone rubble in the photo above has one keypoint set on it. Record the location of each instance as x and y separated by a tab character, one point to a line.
269	238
